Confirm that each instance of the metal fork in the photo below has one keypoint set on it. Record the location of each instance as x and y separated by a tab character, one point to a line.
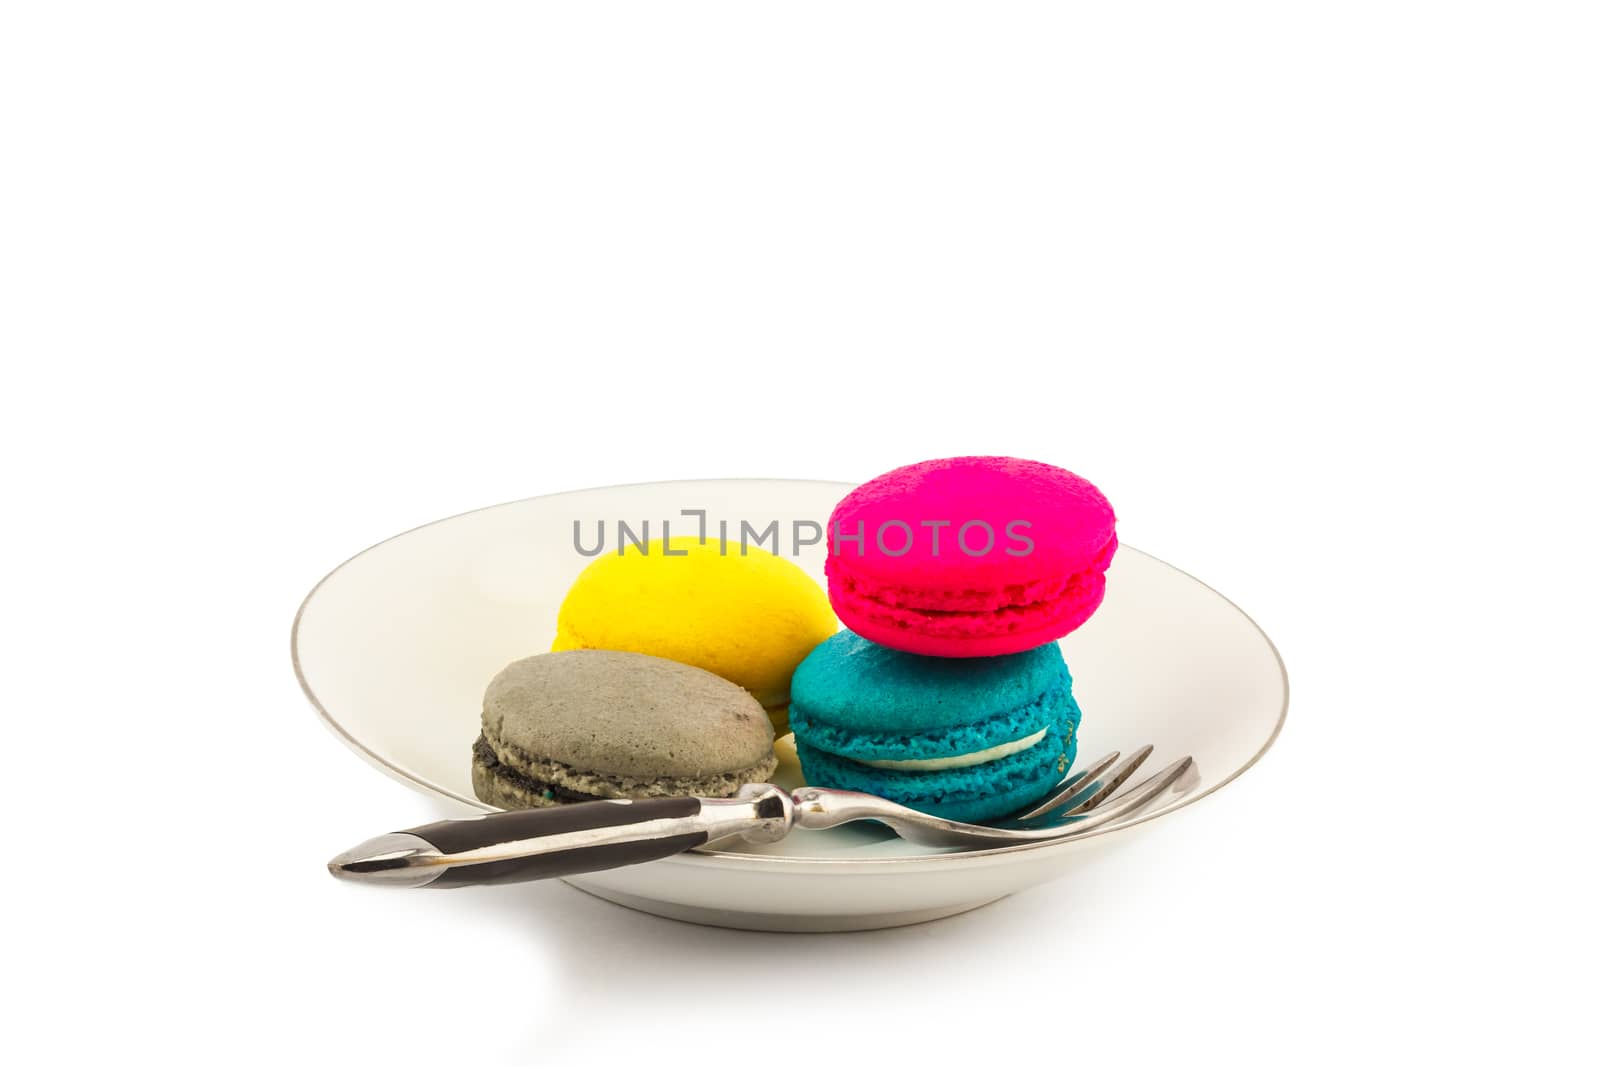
520	846
1079	803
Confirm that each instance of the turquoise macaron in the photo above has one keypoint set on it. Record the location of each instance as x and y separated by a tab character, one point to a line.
966	739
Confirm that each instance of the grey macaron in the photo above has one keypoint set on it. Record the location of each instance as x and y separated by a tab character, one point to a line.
589	725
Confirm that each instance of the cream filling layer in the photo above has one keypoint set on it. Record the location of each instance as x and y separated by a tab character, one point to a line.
966	759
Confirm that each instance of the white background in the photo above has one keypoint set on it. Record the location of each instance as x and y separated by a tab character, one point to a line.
1307	289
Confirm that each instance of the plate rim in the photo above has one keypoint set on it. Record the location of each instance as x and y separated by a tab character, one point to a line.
709	858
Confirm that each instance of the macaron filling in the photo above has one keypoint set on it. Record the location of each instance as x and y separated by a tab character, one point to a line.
970	759
958	740
1009	608
544	773
969	596
513	782
967	794
1011	618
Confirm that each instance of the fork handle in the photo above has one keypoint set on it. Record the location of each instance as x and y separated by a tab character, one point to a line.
522	846
571	839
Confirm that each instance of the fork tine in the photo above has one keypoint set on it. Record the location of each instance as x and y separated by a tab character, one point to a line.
1181	773
1072	787
818	809
1118	776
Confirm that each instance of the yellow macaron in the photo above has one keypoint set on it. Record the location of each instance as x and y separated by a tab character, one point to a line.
736	611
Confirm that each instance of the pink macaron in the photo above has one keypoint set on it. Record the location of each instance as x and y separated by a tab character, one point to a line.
975	556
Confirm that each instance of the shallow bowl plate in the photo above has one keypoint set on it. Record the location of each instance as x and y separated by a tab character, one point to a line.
394	649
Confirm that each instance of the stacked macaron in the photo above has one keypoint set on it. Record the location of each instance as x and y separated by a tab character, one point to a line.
948	692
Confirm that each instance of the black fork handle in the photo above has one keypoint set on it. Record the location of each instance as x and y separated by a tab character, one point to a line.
522	846
587	836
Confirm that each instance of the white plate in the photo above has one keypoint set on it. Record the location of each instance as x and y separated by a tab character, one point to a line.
394	649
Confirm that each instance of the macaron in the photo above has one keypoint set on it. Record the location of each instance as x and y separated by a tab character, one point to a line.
590	725
735	610
975	556
969	739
